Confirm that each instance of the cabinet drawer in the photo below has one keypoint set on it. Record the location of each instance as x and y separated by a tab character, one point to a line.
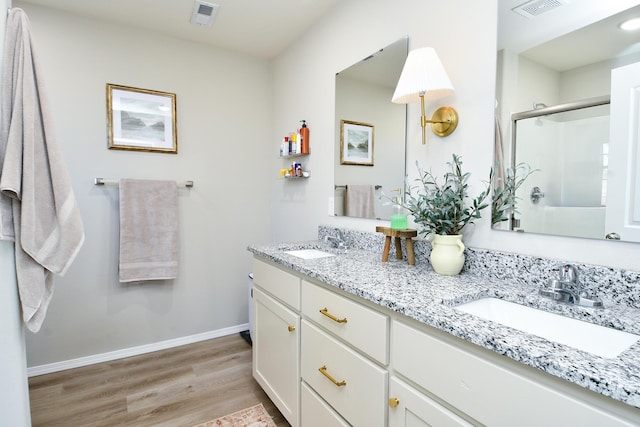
362	400
282	285
316	412
354	323
478	387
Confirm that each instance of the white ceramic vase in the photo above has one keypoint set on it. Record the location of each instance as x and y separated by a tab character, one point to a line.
447	254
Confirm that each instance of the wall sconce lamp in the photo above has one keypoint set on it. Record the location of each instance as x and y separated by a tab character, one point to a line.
424	76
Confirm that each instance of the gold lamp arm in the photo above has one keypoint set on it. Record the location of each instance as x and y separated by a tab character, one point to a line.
443	122
423	120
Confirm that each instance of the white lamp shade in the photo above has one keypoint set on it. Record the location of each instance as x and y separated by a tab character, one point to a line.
422	72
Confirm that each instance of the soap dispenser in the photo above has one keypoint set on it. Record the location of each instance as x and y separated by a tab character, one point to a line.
399	213
304	137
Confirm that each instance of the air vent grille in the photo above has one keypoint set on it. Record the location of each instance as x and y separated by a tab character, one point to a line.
535	8
205	9
203	13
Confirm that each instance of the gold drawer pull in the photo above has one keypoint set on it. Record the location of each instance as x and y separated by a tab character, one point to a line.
325	311
394	402
323	371
291	328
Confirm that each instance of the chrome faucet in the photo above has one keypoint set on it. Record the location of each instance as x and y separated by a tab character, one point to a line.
566	288
337	241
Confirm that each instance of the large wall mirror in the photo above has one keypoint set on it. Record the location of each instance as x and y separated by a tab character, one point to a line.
553	91
370	137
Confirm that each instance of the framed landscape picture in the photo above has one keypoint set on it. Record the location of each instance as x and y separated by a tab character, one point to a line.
356	143
141	119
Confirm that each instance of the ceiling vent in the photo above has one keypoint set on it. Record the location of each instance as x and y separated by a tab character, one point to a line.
534	8
203	13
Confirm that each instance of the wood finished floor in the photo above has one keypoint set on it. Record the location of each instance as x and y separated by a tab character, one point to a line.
181	386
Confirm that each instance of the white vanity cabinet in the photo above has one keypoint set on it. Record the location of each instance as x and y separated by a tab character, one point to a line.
489	390
276	338
328	358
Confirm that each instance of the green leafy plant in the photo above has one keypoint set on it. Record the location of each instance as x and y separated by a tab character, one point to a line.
504	199
444	208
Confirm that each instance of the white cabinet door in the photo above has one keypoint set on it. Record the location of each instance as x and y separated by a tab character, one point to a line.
623	175
276	344
410	408
315	412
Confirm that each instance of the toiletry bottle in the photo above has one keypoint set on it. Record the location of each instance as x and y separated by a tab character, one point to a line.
399	218
294	143
284	147
299	144
304	138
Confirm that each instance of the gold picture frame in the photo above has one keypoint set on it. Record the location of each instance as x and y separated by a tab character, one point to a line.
141	119
356	143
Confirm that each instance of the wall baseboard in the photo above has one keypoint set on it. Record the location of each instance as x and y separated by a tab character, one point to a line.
133	351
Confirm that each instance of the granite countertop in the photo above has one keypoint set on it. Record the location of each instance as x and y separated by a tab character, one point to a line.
421	294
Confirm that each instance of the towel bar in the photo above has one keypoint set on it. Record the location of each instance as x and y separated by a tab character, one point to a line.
102	181
377	187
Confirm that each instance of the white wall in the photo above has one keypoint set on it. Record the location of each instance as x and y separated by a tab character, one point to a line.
464	34
351	31
536	84
591	80
224	124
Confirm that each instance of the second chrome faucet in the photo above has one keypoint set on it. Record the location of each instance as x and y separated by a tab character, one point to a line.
567	288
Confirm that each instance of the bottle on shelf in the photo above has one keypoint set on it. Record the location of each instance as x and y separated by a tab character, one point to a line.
299	144
304	138
284	147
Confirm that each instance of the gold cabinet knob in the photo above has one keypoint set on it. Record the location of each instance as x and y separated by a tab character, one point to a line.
291	328
393	402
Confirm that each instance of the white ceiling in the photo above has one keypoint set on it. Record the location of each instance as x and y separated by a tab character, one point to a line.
595	41
261	28
264	28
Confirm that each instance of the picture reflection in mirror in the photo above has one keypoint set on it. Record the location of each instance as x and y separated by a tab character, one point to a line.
569	147
363	96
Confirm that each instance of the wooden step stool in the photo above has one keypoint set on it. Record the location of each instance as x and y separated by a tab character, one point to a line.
407	234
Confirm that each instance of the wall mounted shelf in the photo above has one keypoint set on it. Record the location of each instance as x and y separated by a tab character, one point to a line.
294	155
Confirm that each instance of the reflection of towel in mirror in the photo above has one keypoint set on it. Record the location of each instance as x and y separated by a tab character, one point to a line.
360	201
38	209
148	230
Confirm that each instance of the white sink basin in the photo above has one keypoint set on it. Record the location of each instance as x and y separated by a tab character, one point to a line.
309	253
599	340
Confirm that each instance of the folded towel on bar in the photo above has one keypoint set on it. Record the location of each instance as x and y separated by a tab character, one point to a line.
359	201
38	209
148	230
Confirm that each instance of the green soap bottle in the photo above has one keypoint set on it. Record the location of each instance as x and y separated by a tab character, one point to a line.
399	218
